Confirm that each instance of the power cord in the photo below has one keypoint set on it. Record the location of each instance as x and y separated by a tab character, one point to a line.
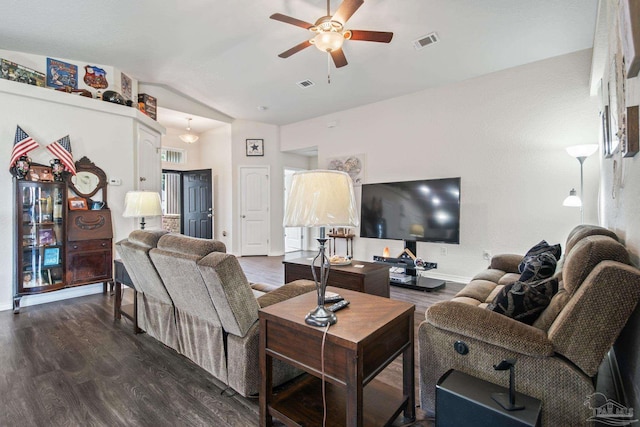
324	395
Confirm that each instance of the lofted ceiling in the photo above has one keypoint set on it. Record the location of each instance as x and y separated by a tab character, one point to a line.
223	53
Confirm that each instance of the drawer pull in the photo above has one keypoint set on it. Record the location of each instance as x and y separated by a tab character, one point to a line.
75	246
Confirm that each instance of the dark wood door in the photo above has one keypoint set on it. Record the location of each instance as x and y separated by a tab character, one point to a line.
197	206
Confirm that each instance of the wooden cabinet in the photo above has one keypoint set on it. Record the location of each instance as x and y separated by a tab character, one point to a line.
40	209
58	247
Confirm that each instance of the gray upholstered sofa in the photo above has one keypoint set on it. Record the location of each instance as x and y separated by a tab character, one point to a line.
558	356
195	298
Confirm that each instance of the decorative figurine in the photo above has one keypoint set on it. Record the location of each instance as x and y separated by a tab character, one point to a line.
57	169
23	164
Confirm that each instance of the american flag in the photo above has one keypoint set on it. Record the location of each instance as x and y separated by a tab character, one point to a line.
21	146
62	150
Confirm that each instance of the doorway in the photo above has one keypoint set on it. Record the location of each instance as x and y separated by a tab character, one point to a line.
254	210
294	237
187	200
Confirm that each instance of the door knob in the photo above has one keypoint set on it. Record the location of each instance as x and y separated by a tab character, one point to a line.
209	215
243	216
210	209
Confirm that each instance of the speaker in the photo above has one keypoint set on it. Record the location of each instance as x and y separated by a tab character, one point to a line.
463	400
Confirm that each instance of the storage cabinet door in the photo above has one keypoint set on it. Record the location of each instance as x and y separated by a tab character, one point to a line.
89	262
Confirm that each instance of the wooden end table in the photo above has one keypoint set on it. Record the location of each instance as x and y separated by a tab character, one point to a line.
371	278
130	311
370	333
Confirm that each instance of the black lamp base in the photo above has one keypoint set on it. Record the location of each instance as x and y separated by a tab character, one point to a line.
320	316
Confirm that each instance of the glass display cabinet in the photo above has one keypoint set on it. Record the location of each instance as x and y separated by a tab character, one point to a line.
40	237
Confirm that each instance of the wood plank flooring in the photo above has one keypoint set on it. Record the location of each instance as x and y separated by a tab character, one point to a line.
69	364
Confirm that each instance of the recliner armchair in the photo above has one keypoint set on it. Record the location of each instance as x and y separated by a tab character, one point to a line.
559	355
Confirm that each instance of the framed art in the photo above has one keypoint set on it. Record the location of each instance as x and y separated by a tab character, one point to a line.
77	204
630	36
255	147
631	142
51	257
46	237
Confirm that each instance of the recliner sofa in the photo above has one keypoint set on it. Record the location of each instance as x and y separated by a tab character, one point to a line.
558	356
195	298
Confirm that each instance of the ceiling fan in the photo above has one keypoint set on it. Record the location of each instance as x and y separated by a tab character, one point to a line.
330	33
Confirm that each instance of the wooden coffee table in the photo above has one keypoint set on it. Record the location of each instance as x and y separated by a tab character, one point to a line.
371	278
370	333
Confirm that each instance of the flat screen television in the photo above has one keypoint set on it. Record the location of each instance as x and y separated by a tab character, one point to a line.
424	210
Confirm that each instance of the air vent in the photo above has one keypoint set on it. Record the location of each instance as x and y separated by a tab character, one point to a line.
305	84
425	41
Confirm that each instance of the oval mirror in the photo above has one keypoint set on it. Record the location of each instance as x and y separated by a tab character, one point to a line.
85	182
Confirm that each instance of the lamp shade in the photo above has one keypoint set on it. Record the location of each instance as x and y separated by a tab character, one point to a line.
584	150
572	200
321	198
142	204
328	41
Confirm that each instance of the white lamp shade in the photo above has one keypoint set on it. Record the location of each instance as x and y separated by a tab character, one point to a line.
321	198
584	150
572	200
142	204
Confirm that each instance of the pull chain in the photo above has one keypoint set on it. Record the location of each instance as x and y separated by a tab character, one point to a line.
328	68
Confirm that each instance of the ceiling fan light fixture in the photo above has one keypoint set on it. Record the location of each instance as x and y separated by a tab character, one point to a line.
328	41
189	137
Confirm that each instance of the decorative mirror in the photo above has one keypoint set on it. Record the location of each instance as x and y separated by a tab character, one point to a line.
89	179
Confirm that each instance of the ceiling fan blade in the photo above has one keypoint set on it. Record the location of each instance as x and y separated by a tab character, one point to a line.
297	48
289	20
338	58
371	36
346	10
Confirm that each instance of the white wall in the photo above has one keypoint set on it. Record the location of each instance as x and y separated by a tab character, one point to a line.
106	139
504	133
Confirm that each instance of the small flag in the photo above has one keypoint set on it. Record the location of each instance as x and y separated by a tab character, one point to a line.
62	150
21	146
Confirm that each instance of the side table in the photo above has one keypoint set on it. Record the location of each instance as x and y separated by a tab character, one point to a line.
370	333
130	311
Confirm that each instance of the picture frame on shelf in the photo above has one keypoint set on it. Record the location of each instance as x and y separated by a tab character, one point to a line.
51	257
78	204
630	36
255	147
46	237
631	142
40	174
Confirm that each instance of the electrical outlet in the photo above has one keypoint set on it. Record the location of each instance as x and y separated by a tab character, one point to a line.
443	251
486	254
430	265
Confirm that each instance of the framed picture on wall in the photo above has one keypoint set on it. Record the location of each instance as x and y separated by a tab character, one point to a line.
255	147
630	35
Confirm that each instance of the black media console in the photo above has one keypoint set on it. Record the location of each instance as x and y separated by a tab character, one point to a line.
410	278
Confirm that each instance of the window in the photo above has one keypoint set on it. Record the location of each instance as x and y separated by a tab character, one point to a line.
174	155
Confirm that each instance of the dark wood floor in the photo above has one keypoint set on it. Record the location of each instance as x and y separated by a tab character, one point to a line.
69	364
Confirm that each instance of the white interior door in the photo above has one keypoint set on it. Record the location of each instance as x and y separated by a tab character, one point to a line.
149	167
293	236
254	210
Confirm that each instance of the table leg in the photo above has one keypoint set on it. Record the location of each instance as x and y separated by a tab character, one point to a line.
355	395
266	385
136	330
408	378
118	301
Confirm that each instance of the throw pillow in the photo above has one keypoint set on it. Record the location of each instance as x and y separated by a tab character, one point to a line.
538	249
538	267
524	301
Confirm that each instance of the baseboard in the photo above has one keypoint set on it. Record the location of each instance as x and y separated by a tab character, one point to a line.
62	294
448	277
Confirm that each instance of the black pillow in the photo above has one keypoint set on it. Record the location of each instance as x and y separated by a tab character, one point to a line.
538	267
524	301
538	249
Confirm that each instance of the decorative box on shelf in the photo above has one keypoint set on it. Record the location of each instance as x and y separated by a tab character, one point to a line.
147	104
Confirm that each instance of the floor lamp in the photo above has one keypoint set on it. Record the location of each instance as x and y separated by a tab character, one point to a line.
321	198
580	152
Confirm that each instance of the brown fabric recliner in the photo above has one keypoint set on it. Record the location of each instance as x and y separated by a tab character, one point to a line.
559	355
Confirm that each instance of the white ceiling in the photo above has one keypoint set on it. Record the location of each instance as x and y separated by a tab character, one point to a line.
223	53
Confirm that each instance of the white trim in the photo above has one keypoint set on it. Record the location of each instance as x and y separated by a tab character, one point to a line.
62	294
448	277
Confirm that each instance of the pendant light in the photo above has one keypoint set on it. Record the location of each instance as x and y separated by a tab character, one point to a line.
189	137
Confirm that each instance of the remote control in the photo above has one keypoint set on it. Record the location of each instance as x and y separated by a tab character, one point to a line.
338	306
328	299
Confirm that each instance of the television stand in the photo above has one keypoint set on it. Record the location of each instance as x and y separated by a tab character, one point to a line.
410	278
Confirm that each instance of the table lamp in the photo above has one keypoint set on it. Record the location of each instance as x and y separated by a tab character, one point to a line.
321	198
142	204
